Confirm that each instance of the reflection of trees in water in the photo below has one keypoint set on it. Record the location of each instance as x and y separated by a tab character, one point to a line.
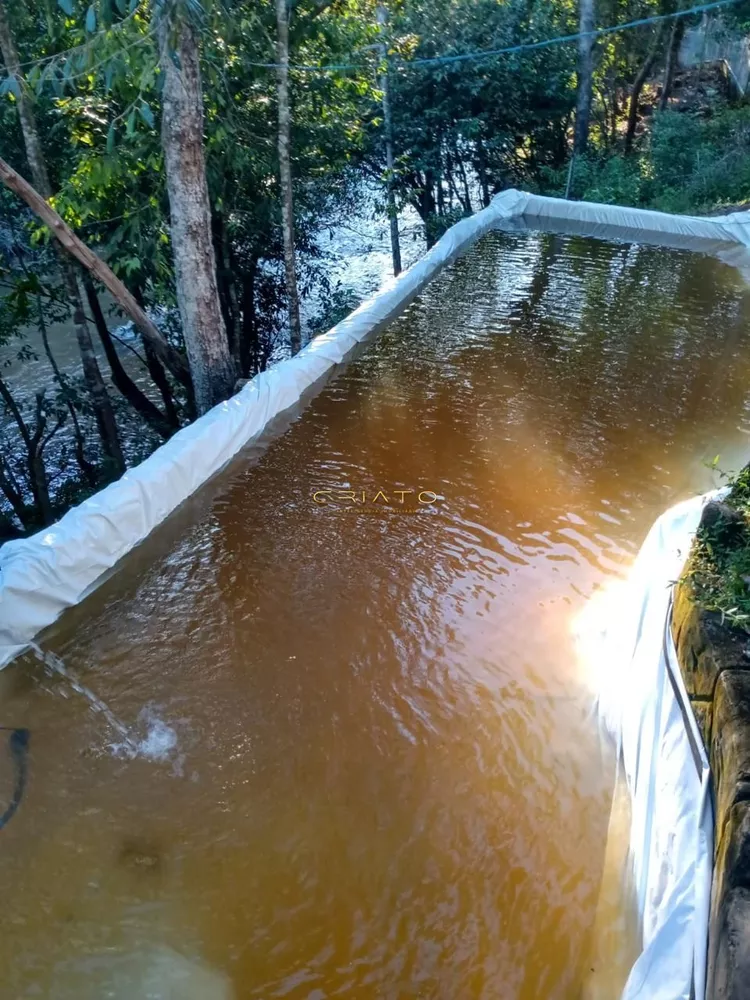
570	361
619	347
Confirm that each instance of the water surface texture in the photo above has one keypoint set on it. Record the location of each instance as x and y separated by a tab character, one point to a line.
381	777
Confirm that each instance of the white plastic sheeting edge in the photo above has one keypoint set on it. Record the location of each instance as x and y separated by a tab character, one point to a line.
601	220
644	705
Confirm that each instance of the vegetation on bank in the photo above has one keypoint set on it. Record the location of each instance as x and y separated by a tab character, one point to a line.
692	162
188	154
719	565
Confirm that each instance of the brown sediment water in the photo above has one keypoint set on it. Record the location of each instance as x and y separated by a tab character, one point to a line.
384	778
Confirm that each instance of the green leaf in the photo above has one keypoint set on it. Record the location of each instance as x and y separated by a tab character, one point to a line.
111	138
91	20
132	6
10	86
131	122
66	5
146	114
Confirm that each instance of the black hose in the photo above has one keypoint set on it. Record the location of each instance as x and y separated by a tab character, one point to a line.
18	744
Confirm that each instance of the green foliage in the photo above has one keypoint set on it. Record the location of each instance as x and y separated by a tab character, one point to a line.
337	306
690	163
719	566
701	163
609	179
505	118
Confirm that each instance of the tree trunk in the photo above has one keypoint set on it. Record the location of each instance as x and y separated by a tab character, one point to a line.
249	342
97	389
285	172
33	444
160	380
32	143
385	87
675	40
224	283
86	467
40	488
452	187
464	184
14	498
124	383
102	405
190	214
585	75
423	200
635	95
482	171
159	376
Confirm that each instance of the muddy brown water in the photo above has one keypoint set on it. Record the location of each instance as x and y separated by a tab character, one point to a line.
387	781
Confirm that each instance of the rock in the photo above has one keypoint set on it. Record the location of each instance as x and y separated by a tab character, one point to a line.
730	747
729	925
729	961
706	646
703	712
723	521
715	661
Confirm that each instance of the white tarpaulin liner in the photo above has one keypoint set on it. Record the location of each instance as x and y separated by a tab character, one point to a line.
643	704
42	575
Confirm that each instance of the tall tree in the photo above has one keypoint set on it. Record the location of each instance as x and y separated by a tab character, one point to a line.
638	84
586	18
675	41
385	86
97	389
285	172
211	363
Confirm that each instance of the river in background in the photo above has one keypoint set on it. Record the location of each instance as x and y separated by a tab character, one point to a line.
355	257
385	779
